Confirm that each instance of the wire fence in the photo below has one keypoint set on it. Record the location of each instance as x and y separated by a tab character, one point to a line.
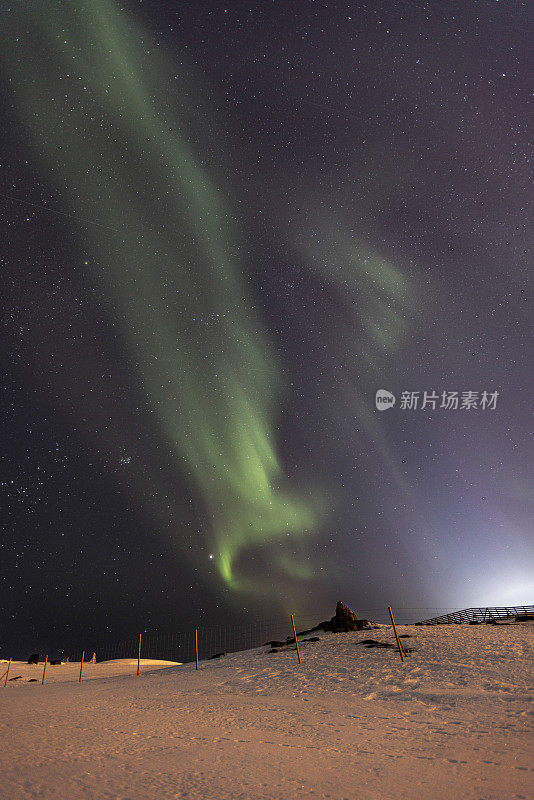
179	646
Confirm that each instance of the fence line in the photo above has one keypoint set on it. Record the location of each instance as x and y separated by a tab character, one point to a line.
179	646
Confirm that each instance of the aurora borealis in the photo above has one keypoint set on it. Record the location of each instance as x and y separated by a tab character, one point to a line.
200	352
225	229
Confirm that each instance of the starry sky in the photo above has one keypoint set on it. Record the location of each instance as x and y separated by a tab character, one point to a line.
225	227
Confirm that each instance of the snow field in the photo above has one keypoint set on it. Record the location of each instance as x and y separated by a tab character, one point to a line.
453	721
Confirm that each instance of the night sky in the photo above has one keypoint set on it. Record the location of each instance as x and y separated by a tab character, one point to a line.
225	226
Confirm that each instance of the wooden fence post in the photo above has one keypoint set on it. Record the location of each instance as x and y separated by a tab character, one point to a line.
196	647
139	655
296	640
7	673
44	670
399	644
81	667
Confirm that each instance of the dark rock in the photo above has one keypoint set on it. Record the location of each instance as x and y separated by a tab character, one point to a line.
528	616
475	622
312	639
379	644
370	643
344	621
217	655
55	662
16	678
375	643
272	650
34	659
344	618
33	680
322	626
405	636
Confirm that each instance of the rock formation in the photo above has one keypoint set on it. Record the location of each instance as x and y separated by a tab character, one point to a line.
344	620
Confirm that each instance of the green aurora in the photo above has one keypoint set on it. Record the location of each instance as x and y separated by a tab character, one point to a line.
84	85
203	356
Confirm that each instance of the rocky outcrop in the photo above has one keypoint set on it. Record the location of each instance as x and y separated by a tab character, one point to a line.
344	620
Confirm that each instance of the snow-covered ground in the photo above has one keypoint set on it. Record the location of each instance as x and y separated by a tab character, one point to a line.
21	673
349	722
